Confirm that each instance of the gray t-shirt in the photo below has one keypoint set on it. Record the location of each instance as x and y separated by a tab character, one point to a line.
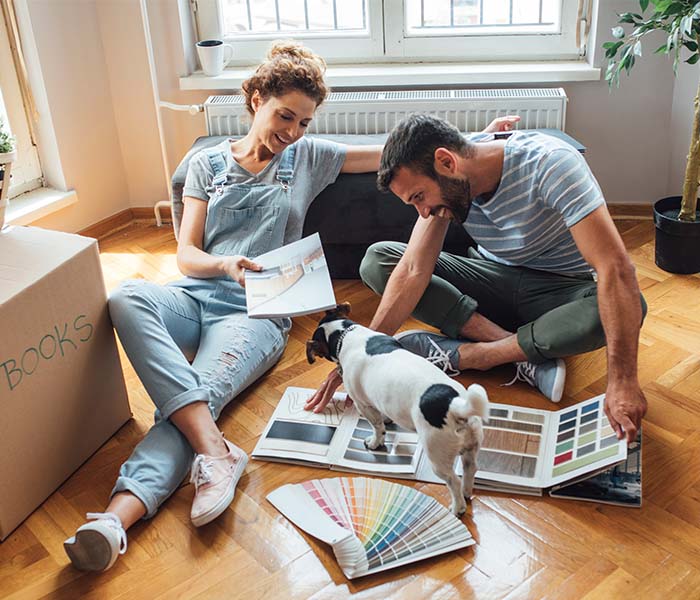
316	165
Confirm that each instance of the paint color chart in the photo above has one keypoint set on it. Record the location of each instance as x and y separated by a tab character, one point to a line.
371	524
584	436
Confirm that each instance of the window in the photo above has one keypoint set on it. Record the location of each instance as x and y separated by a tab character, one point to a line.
26	169
399	30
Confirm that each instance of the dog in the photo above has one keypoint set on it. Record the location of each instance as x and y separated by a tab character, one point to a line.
389	383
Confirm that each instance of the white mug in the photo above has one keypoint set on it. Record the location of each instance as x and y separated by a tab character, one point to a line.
212	56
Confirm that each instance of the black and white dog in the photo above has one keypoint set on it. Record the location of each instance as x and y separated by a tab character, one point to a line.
388	382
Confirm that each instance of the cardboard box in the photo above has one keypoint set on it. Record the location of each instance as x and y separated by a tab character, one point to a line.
62	392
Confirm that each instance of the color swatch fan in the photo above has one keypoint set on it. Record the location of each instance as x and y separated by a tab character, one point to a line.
372	524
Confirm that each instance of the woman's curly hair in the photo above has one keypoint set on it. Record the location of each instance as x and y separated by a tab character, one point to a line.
289	66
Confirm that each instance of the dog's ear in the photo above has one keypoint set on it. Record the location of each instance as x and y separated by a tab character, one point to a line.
316	348
340	311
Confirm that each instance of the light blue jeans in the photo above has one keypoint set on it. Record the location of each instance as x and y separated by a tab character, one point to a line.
161	327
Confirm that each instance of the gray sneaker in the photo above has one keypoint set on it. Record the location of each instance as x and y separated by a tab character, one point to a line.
548	377
436	348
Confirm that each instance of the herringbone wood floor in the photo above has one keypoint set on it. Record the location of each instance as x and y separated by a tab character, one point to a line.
527	547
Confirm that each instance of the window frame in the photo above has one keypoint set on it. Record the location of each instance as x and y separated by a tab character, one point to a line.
26	172
387	40
250	48
481	47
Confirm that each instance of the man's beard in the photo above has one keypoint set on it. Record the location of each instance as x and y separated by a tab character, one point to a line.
456	195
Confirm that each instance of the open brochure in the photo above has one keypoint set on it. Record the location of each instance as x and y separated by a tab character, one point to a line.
524	451
294	281
620	485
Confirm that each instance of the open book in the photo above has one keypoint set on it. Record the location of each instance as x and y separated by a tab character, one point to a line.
294	281
524	451
371	524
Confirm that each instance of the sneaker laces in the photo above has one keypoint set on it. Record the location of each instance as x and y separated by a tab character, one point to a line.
525	372
201	471
440	358
113	522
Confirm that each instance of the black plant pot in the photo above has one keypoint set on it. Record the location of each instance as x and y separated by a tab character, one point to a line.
677	242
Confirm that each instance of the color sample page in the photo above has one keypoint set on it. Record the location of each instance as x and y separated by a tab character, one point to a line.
294	281
620	485
584	442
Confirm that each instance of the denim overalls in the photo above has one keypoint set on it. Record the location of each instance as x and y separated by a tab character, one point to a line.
205	320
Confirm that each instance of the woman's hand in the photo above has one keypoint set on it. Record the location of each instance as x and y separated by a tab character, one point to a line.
235	267
502	124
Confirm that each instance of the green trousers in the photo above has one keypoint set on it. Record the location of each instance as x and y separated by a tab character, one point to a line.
553	315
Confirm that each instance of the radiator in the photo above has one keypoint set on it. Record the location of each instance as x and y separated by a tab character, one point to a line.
379	112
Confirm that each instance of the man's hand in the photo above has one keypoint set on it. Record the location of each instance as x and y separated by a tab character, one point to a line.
502	124
625	406
324	394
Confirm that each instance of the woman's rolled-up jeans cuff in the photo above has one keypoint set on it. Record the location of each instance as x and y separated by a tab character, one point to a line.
126	484
457	316
200	394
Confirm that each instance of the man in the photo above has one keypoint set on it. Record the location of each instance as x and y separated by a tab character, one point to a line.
551	277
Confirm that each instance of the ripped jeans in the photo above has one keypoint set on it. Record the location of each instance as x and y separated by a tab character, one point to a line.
161	328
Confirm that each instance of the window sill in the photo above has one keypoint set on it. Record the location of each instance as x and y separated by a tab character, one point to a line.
400	74
29	207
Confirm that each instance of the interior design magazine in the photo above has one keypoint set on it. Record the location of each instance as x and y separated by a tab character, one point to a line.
524	451
294	281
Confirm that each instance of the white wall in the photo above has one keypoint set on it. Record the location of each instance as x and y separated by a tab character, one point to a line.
94	59
684	91
70	46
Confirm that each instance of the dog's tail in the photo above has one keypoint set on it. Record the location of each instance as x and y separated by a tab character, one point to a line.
474	404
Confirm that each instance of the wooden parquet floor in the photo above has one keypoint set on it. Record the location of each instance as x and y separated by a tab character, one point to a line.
527	547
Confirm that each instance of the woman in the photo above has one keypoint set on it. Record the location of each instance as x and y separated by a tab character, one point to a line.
241	199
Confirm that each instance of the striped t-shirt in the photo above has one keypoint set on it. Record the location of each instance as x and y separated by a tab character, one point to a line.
546	187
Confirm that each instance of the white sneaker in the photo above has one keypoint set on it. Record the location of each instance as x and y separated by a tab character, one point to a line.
97	544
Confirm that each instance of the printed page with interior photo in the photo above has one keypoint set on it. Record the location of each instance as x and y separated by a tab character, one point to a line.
399	457
334	438
294	281
295	435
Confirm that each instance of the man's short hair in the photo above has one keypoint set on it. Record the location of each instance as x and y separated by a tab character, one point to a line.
412	144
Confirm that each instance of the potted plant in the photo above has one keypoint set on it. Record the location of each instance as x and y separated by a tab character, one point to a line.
7	156
676	218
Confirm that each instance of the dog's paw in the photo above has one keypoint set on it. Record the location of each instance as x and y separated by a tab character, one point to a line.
458	508
374	443
387	421
468	494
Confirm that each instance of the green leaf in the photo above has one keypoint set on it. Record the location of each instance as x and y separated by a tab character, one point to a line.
690	45
693	59
618	32
643	4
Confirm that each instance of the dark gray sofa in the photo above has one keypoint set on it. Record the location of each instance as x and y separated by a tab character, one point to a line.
349	215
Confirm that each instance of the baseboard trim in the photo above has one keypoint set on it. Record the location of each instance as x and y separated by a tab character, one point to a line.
145	214
109	225
122	219
631	212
